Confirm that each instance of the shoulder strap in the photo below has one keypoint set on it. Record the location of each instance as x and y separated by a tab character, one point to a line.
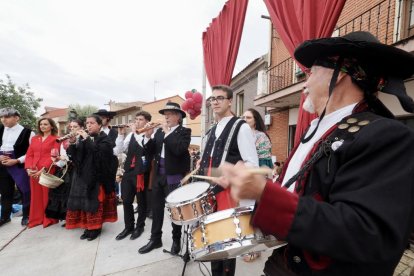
229	139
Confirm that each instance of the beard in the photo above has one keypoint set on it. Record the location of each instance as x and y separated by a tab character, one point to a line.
307	104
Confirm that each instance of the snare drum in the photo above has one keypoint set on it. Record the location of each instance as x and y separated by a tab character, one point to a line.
228	234
189	203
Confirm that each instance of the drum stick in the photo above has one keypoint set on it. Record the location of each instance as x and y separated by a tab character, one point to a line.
212	178
187	177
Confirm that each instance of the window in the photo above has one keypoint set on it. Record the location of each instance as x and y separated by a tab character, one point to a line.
407	18
240	104
130	119
123	119
291	138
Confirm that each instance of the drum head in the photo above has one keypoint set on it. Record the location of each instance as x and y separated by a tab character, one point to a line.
187	192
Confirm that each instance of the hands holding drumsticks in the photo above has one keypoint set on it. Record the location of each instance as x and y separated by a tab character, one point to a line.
245	182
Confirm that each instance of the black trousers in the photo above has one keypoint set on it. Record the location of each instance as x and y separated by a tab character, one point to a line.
223	268
7	193
128	192
160	190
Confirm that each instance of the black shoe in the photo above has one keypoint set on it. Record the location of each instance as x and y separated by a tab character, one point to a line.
85	235
176	247
4	221
150	246
137	233
93	234
25	221
124	234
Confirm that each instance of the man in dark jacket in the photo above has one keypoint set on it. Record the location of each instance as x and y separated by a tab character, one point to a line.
345	199
172	161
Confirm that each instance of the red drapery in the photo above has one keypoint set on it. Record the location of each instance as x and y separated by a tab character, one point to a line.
221	42
297	21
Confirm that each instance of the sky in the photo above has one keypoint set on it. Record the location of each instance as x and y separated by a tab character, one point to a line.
92	51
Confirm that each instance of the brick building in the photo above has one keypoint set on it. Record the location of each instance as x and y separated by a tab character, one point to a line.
391	21
59	116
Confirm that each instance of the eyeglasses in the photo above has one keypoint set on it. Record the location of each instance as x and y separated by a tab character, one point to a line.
219	99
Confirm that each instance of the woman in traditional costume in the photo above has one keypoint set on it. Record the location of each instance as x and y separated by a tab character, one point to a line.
92	200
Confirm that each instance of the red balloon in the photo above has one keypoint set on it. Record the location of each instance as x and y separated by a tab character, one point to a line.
197	106
192	117
198	97
191	112
184	106
190	103
198	112
188	95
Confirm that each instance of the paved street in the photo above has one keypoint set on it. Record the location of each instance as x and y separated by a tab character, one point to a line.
57	251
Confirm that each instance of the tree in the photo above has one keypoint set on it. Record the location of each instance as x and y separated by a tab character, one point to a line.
20	98
82	111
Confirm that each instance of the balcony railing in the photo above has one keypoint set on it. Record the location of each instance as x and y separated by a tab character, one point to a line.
379	20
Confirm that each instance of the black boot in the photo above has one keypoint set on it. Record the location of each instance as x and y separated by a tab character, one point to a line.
93	234
85	235
124	234
152	244
137	233
4	221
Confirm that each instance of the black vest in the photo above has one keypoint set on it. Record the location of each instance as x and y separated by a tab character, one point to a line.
233	155
135	150
22	142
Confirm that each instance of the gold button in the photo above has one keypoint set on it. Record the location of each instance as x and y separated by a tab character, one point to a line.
343	126
351	121
354	129
363	123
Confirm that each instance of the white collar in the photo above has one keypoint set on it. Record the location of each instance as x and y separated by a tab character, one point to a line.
13	128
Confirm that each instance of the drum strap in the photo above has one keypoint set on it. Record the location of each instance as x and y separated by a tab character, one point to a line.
229	139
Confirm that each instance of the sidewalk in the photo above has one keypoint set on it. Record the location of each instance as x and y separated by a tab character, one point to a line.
57	251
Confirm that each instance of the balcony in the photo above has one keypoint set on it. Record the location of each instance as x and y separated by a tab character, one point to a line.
382	20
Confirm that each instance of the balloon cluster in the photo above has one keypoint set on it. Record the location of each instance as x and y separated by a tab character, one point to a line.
193	103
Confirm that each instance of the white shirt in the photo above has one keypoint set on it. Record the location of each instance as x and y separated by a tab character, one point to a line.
10	136
303	150
245	141
106	130
127	140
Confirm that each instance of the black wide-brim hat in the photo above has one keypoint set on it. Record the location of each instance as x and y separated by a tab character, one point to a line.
386	60
170	106
104	112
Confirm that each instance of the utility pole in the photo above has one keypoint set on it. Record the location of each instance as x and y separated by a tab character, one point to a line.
155	83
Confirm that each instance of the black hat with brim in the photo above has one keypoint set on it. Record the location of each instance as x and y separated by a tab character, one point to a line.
386	60
104	112
170	106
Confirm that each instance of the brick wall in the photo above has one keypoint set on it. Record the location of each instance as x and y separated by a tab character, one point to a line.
278	133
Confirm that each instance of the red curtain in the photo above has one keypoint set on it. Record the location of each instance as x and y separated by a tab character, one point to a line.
221	42
297	21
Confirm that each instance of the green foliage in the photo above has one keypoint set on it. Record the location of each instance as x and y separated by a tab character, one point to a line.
20	98
82	111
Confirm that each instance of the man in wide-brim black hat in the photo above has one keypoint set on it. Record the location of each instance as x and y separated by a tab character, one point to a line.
106	117
344	202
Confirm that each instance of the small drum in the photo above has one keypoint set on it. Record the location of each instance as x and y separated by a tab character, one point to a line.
228	234
189	203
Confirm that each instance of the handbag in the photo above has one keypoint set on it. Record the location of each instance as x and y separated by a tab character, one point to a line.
51	181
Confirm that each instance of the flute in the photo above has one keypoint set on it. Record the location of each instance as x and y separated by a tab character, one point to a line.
68	136
142	130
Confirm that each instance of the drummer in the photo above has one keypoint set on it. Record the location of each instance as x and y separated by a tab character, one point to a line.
241	148
172	161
